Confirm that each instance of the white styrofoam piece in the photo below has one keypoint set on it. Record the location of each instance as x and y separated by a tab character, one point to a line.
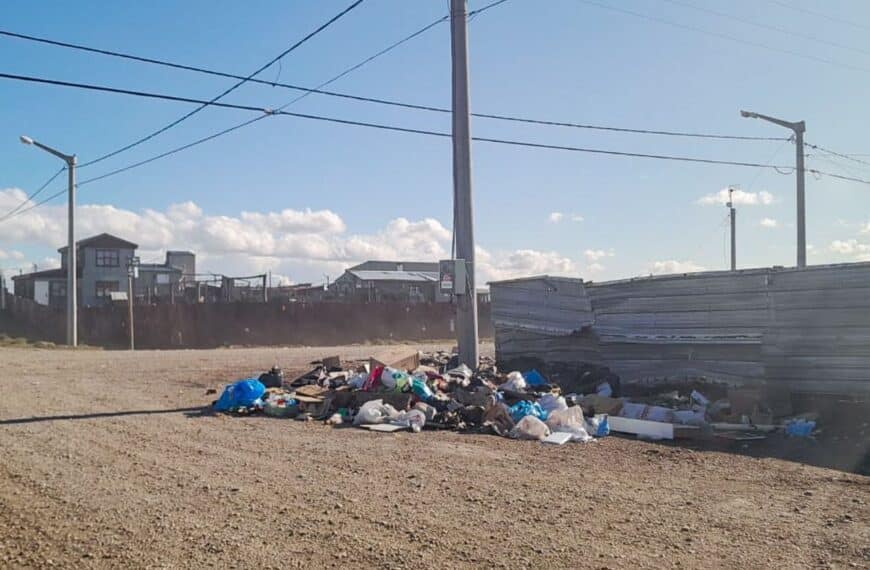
645	428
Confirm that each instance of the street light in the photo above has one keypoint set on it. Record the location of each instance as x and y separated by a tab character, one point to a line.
798	128
71	266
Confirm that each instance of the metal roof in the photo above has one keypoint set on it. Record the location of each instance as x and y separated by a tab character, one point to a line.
413	276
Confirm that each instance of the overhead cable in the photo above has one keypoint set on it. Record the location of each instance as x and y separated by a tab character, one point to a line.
225	92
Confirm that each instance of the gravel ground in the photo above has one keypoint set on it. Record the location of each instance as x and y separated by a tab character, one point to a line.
107	463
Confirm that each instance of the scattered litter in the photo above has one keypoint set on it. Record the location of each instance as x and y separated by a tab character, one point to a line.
530	427
433	391
241	394
558	438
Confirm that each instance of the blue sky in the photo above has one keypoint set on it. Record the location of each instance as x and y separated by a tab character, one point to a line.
566	60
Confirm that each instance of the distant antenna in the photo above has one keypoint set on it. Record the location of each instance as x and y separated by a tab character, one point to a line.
733	214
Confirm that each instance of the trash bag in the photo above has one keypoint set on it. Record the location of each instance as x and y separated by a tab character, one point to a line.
569	420
240	394
515	382
530	427
421	388
375	412
393	379
534	378
525	408
358	381
414	419
497	418
597	425
552	402
800	428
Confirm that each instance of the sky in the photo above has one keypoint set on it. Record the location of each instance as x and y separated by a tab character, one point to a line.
305	199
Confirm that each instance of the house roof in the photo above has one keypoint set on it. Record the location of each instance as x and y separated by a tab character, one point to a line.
411	276
378	265
46	274
102	240
159	267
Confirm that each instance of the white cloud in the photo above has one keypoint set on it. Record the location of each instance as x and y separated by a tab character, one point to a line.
865	228
521	263
674	266
739	197
850	247
593	255
595	268
297	245
768	223
556	217
11	255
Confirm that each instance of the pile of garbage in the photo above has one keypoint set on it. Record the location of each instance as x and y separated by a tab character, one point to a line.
433	391
422	391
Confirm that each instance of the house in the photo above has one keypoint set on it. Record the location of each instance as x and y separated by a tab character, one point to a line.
382	281
101	269
166	280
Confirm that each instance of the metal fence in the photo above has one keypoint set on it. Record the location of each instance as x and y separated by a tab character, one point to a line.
805	330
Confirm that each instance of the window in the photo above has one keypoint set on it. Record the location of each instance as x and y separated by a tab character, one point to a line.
56	289
104	288
107	258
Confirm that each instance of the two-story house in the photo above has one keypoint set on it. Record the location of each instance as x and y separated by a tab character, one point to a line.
101	269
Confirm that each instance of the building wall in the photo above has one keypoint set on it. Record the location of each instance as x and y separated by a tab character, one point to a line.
91	274
183	260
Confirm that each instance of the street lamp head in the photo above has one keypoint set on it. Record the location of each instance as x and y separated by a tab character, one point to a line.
26	140
748	114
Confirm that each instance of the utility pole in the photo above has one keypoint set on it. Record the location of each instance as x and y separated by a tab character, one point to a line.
798	129
463	210
733	213
72	335
2	291
132	272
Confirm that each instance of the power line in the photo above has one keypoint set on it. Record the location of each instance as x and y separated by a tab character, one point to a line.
839	154
35	194
767	26
318	90
819	14
726	36
270	112
226	91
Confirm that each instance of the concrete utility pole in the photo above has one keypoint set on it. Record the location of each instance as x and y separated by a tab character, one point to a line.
798	128
733	213
72	334
463	210
2	291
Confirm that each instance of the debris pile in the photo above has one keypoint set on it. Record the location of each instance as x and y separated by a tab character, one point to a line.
422	391
434	391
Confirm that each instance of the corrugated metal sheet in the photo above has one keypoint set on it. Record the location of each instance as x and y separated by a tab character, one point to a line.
544	304
412	276
806	330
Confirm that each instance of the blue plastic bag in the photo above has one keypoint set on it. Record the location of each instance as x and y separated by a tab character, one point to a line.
421	389
240	394
800	428
535	378
525	408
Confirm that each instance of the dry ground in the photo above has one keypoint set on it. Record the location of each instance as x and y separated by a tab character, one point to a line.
107	469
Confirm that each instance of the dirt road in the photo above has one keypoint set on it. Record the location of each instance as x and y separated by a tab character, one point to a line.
107	463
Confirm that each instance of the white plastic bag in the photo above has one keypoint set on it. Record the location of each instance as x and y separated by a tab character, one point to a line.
375	412
414	419
515	382
569	420
551	403
530	427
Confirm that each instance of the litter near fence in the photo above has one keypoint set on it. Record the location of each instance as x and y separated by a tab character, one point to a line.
432	391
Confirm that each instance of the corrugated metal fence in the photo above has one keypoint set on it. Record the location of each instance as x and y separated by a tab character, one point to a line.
806	330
